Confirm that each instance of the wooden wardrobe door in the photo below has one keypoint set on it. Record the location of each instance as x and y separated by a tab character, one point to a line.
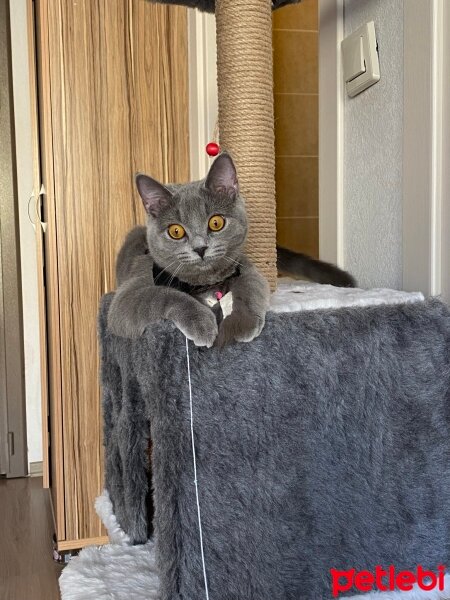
47	263
116	98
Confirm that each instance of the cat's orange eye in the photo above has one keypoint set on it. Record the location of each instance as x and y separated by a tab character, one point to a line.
176	231
216	223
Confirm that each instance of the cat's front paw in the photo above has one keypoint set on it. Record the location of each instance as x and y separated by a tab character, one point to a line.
200	326
239	327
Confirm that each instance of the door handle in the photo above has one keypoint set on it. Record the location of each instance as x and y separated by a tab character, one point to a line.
33	224
37	208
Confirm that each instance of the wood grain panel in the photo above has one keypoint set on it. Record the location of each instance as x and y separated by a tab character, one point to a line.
118	80
52	320
82	543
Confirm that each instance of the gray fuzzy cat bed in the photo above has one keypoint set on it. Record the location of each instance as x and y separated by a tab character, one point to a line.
324	443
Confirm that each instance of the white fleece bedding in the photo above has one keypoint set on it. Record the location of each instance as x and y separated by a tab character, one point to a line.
292	296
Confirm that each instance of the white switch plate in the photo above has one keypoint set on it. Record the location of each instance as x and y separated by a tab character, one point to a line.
360	59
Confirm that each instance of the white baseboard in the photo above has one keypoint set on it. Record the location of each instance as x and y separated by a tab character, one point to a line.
36	469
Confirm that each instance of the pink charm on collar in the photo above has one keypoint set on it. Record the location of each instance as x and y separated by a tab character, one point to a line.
218	295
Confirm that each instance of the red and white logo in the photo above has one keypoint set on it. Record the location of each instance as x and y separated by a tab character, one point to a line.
384	580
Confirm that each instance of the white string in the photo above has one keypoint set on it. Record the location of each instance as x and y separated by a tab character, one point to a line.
200	531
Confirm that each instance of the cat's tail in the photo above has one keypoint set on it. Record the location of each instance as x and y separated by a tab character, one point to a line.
302	265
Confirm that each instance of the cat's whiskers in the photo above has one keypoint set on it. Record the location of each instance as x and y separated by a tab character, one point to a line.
232	260
165	269
177	270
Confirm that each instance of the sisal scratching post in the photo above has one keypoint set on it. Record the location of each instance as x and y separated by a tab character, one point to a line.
246	120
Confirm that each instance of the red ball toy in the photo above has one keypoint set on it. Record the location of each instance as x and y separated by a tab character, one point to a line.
212	149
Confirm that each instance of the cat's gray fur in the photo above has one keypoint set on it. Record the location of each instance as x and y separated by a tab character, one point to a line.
139	301
202	258
210	5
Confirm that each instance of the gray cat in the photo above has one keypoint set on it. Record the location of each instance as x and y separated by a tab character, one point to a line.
193	245
191	251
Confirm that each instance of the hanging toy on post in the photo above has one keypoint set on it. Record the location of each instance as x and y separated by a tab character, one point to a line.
213	148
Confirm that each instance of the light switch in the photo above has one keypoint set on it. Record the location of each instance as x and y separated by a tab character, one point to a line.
353	56
360	59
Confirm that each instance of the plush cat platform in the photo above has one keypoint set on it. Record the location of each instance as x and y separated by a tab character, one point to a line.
324	443
122	571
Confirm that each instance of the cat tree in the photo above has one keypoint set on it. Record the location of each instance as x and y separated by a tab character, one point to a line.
322	444
246	119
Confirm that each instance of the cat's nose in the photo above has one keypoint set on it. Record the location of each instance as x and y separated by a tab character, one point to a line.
201	250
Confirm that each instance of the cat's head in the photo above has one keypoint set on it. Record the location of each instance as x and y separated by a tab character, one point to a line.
196	230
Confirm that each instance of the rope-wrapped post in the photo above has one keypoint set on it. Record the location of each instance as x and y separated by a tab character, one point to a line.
246	118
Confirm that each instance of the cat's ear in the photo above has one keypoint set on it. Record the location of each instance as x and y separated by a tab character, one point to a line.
155	196
222	176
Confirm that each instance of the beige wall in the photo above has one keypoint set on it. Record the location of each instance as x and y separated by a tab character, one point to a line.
24	167
295	40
